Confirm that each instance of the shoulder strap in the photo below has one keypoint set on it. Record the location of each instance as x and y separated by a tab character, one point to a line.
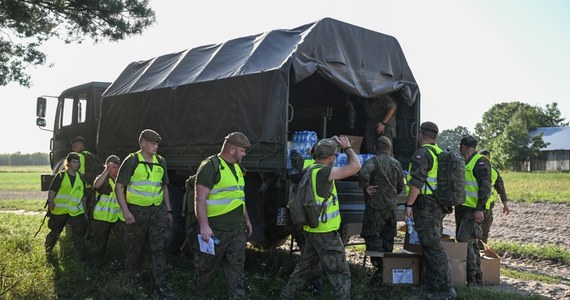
215	161
436	155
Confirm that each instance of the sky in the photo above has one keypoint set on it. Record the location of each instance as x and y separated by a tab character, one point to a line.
466	56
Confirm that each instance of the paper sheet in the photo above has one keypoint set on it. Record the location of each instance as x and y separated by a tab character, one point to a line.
206	247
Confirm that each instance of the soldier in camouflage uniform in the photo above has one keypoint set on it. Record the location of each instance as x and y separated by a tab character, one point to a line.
499	186
222	216
428	215
382	179
380	121
470	215
323	249
142	192
107	215
66	205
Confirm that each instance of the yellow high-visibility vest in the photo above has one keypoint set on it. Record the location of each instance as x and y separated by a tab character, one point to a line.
68	197
145	187
471	185
332	210
228	194
431	178
107	208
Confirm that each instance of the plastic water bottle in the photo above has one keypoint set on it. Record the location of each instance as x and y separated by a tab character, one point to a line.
412	233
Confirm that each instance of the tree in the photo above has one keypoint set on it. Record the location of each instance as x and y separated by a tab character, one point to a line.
450	138
26	24
505	129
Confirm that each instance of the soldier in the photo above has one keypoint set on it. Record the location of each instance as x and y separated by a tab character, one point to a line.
323	249
382	179
107	214
222	215
470	215
498	184
428	214
380	121
65	202
142	192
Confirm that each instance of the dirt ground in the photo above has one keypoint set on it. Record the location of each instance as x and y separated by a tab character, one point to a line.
537	223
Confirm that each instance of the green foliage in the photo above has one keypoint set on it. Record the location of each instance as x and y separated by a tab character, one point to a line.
449	139
532	275
26	24
22	159
19	182
505	128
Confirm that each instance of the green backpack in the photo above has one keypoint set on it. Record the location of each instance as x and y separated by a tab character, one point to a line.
450	190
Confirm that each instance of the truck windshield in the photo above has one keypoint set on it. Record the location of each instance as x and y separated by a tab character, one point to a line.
73	110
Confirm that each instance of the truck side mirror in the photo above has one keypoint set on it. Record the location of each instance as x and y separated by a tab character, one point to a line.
41	122
41	108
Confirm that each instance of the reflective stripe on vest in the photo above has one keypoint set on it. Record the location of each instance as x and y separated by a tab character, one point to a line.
332	210
228	194
471	185
308	162
145	187
107	208
494	176
68	198
431	178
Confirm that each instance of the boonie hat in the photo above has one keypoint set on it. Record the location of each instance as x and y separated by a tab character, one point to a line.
113	159
469	141
150	135
78	139
238	139
430	126
325	147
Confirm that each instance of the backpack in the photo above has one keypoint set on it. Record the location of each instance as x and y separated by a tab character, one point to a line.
188	206
450	189
303	207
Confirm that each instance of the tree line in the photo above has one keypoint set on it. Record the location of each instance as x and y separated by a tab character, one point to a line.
24	159
505	131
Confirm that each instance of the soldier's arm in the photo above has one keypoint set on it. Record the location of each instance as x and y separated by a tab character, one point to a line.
201	210
353	162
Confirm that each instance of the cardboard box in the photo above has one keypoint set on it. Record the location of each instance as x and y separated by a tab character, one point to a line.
447	236
491	266
399	267
355	142
458	270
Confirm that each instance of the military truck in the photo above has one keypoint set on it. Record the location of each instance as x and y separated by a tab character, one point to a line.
267	86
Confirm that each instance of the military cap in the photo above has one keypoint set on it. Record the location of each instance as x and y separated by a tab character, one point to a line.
469	141
384	140
150	135
78	139
430	126
71	156
113	159
325	147
238	139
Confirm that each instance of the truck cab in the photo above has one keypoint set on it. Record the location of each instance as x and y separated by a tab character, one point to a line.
76	114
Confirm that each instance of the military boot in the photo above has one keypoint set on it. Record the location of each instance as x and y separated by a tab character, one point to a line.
442	295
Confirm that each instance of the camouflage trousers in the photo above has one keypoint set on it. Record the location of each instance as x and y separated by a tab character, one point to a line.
78	225
428	218
486	225
101	231
322	251
230	255
379	231
151	223
470	232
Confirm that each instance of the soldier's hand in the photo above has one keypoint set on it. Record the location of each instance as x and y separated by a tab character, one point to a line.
51	205
342	141
371	189
479	216
170	218
206	233
248	228
506	210
129	218
380	128
408	213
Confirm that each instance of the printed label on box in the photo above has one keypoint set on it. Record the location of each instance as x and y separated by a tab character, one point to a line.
400	276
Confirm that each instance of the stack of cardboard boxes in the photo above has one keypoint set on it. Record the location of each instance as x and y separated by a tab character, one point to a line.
405	267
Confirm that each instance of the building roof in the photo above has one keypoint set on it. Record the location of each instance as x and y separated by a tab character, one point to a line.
556	138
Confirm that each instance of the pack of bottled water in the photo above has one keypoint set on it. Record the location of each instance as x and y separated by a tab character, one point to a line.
302	141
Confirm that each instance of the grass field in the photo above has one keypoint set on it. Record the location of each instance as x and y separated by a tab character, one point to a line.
26	272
